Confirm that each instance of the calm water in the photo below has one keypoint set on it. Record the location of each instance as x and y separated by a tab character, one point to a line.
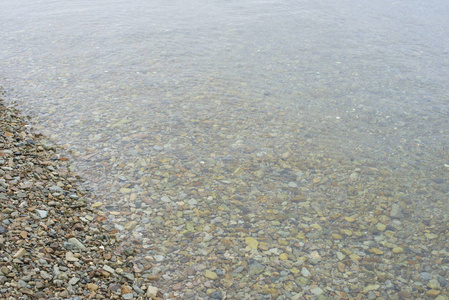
338	66
122	84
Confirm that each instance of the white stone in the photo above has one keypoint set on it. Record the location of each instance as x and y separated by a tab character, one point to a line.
152	291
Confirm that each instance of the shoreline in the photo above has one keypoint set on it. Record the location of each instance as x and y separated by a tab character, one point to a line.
54	243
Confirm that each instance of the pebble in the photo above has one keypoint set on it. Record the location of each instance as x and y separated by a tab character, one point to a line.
434	284
108	269
305	272
159	258
54	257
76	243
92	287
425	276
70	257
152	291
251	242
211	275
317	291
216	295
258	221
396	211
256	268
128	296
42	213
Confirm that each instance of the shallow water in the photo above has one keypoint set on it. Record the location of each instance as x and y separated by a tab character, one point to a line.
241	106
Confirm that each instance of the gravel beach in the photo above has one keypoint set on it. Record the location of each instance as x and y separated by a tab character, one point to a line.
54	244
380	237
211	150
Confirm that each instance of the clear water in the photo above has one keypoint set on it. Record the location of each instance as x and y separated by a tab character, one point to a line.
213	85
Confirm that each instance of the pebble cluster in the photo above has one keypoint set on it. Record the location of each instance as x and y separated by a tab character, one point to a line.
255	207
53	244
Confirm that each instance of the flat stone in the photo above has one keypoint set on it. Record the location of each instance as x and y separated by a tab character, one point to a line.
70	257
55	188
305	272
371	287
256	268
431	236
131	225
210	274
127	296
92	287
42	213
20	253
76	243
317	291
159	258
125	190
434	284
97	204
251	242
398	250
396	211
108	269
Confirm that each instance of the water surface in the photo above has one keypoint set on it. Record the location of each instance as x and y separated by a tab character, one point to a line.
212	121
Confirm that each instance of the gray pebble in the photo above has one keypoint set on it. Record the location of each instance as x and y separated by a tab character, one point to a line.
216	295
442	280
42	213
396	211
425	276
128	296
76	243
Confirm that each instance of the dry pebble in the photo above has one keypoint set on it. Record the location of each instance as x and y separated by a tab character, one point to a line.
53	244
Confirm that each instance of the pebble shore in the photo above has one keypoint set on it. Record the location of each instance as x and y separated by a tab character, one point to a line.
54	244
261	226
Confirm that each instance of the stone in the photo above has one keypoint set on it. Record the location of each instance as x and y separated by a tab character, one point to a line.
434	284
108	269
76	243
317	291
305	272
127	296
259	174
396	211
210	275
371	287
255	268
20	253
251	242
42	213
70	257
433	293
97	205
152	292
131	225
126	289
431	236
283	256
92	287
216	295
21	283
398	250
381	227
159	258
